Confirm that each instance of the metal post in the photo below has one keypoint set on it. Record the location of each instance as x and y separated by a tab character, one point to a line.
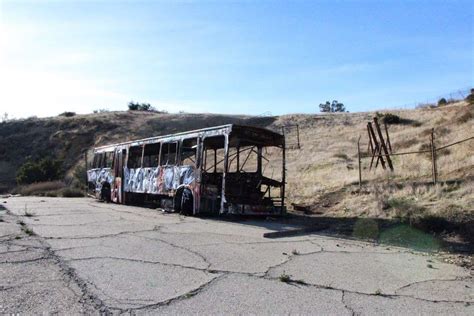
377	149
283	176
433	158
388	138
298	135
360	170
370	146
85	159
382	144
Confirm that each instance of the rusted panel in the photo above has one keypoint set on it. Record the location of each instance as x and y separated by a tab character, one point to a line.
165	180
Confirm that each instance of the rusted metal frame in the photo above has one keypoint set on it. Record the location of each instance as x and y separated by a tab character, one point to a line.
248	156
370	146
405	153
360	169
238	159
229	156
455	143
87	180
376	151
215	160
382	144
298	135
282	189
224	173
211	131
388	137
433	158
143	154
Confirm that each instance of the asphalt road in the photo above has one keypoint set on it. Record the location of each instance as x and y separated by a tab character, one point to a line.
70	256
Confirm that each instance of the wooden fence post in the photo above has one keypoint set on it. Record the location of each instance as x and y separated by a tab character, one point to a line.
360	170
382	144
388	137
377	149
433	158
298	135
85	159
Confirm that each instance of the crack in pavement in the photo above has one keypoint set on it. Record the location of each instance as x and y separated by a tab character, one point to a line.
327	287
104	236
24	261
69	276
178	298
180	247
87	288
350	309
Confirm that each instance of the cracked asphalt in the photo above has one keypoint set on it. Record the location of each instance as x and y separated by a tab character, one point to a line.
73	256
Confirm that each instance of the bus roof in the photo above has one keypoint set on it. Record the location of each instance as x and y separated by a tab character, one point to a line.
276	137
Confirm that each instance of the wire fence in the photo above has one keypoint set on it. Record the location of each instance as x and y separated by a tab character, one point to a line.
436	159
452	96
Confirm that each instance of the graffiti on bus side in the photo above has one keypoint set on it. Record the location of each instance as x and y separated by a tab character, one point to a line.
99	176
157	180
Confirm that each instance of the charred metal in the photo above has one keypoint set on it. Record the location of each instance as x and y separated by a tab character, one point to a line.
229	169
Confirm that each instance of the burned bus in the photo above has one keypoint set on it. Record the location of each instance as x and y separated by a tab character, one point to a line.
229	169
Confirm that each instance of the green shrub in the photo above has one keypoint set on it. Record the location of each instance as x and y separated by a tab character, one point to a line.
68	114
390	118
470	98
135	106
393	119
442	102
46	169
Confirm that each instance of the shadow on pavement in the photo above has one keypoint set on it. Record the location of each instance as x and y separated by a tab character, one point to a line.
429	235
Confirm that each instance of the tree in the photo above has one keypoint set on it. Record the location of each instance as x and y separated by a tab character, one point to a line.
135	106
442	102
325	107
337	107
132	106
333	106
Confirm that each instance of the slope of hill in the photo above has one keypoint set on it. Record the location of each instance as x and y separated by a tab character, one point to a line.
322	173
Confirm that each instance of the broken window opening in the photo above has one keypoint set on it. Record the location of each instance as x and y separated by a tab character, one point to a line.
151	155
188	152
168	154
135	157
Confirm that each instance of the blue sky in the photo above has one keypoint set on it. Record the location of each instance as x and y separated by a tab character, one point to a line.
231	56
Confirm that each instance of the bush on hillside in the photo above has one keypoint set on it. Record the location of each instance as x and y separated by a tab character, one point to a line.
390	118
393	119
470	98
442	102
100	111
135	106
46	169
68	114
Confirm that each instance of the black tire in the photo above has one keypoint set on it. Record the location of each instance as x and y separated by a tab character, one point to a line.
105	193
186	202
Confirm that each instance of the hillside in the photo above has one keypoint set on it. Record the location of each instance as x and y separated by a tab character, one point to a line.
322	173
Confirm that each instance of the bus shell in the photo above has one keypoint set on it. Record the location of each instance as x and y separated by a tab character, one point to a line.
224	169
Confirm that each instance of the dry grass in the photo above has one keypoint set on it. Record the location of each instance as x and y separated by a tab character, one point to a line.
326	162
50	188
320	166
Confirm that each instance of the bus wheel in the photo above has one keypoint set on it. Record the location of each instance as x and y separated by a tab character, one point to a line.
105	192
186	202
